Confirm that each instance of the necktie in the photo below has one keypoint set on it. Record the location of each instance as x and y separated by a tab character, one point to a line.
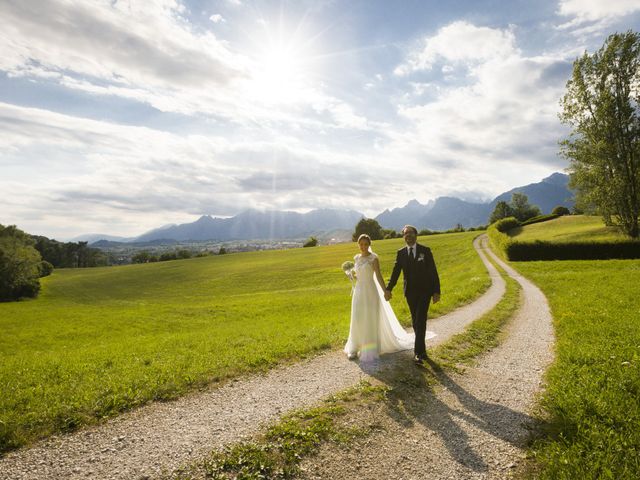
411	255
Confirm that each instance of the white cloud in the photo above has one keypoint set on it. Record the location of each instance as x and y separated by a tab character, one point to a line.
460	42
135	44
217	18
496	129
590	10
57	164
592	17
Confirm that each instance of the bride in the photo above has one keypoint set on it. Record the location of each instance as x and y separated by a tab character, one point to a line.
374	327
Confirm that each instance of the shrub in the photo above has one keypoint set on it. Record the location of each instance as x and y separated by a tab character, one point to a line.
46	268
506	224
561	210
312	242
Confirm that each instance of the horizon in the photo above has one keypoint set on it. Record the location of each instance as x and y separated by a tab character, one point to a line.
388	209
122	116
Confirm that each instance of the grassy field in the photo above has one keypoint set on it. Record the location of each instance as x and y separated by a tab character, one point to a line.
100	341
568	228
593	396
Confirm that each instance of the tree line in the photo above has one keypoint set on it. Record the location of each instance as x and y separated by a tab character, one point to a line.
24	259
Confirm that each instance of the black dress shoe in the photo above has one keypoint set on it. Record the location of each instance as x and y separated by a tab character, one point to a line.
418	361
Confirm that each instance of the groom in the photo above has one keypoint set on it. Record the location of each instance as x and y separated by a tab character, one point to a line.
421	284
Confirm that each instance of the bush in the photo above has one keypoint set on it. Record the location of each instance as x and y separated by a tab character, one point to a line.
561	210
506	224
46	268
312	242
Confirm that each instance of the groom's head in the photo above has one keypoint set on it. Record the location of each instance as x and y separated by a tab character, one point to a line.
410	234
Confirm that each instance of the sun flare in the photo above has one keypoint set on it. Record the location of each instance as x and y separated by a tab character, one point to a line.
284	63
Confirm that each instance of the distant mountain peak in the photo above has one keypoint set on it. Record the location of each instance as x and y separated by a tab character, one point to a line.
557	178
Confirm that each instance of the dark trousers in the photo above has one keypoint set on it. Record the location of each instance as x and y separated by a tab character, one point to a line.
419	306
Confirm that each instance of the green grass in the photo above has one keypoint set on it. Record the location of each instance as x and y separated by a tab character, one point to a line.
593	393
569	228
100	341
398	392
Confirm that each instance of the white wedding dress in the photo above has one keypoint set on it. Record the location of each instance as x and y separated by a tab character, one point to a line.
374	327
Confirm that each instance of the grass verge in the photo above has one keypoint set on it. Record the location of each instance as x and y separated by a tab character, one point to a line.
592	399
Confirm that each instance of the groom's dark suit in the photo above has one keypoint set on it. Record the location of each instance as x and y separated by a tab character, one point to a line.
421	281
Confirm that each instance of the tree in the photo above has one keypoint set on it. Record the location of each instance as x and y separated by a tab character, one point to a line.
222	251
521	208
371	227
602	105
143	256
502	210
20	264
389	233
312	242
561	210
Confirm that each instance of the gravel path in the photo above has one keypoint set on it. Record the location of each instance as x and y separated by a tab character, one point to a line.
473	427
163	436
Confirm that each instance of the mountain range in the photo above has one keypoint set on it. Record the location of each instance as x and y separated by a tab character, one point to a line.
446	212
440	214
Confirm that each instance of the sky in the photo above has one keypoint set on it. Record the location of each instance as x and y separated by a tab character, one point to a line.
117	117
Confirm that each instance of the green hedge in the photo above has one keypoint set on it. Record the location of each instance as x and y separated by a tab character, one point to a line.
540	218
542	250
513	250
498	239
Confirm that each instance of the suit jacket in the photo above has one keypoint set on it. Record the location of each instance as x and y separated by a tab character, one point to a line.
420	275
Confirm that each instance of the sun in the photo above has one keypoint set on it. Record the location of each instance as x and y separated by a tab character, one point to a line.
279	75
284	63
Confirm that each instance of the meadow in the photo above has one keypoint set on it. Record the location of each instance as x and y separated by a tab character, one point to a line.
569	228
593	393
103	340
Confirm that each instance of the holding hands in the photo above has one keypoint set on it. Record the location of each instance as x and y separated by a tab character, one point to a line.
387	295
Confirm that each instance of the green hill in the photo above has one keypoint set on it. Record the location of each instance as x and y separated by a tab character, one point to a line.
99	341
569	228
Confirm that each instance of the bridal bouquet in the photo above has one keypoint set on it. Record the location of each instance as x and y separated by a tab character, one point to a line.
349	270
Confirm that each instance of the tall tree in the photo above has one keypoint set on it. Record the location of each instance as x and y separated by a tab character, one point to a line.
602	104
19	264
370	226
501	210
521	207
